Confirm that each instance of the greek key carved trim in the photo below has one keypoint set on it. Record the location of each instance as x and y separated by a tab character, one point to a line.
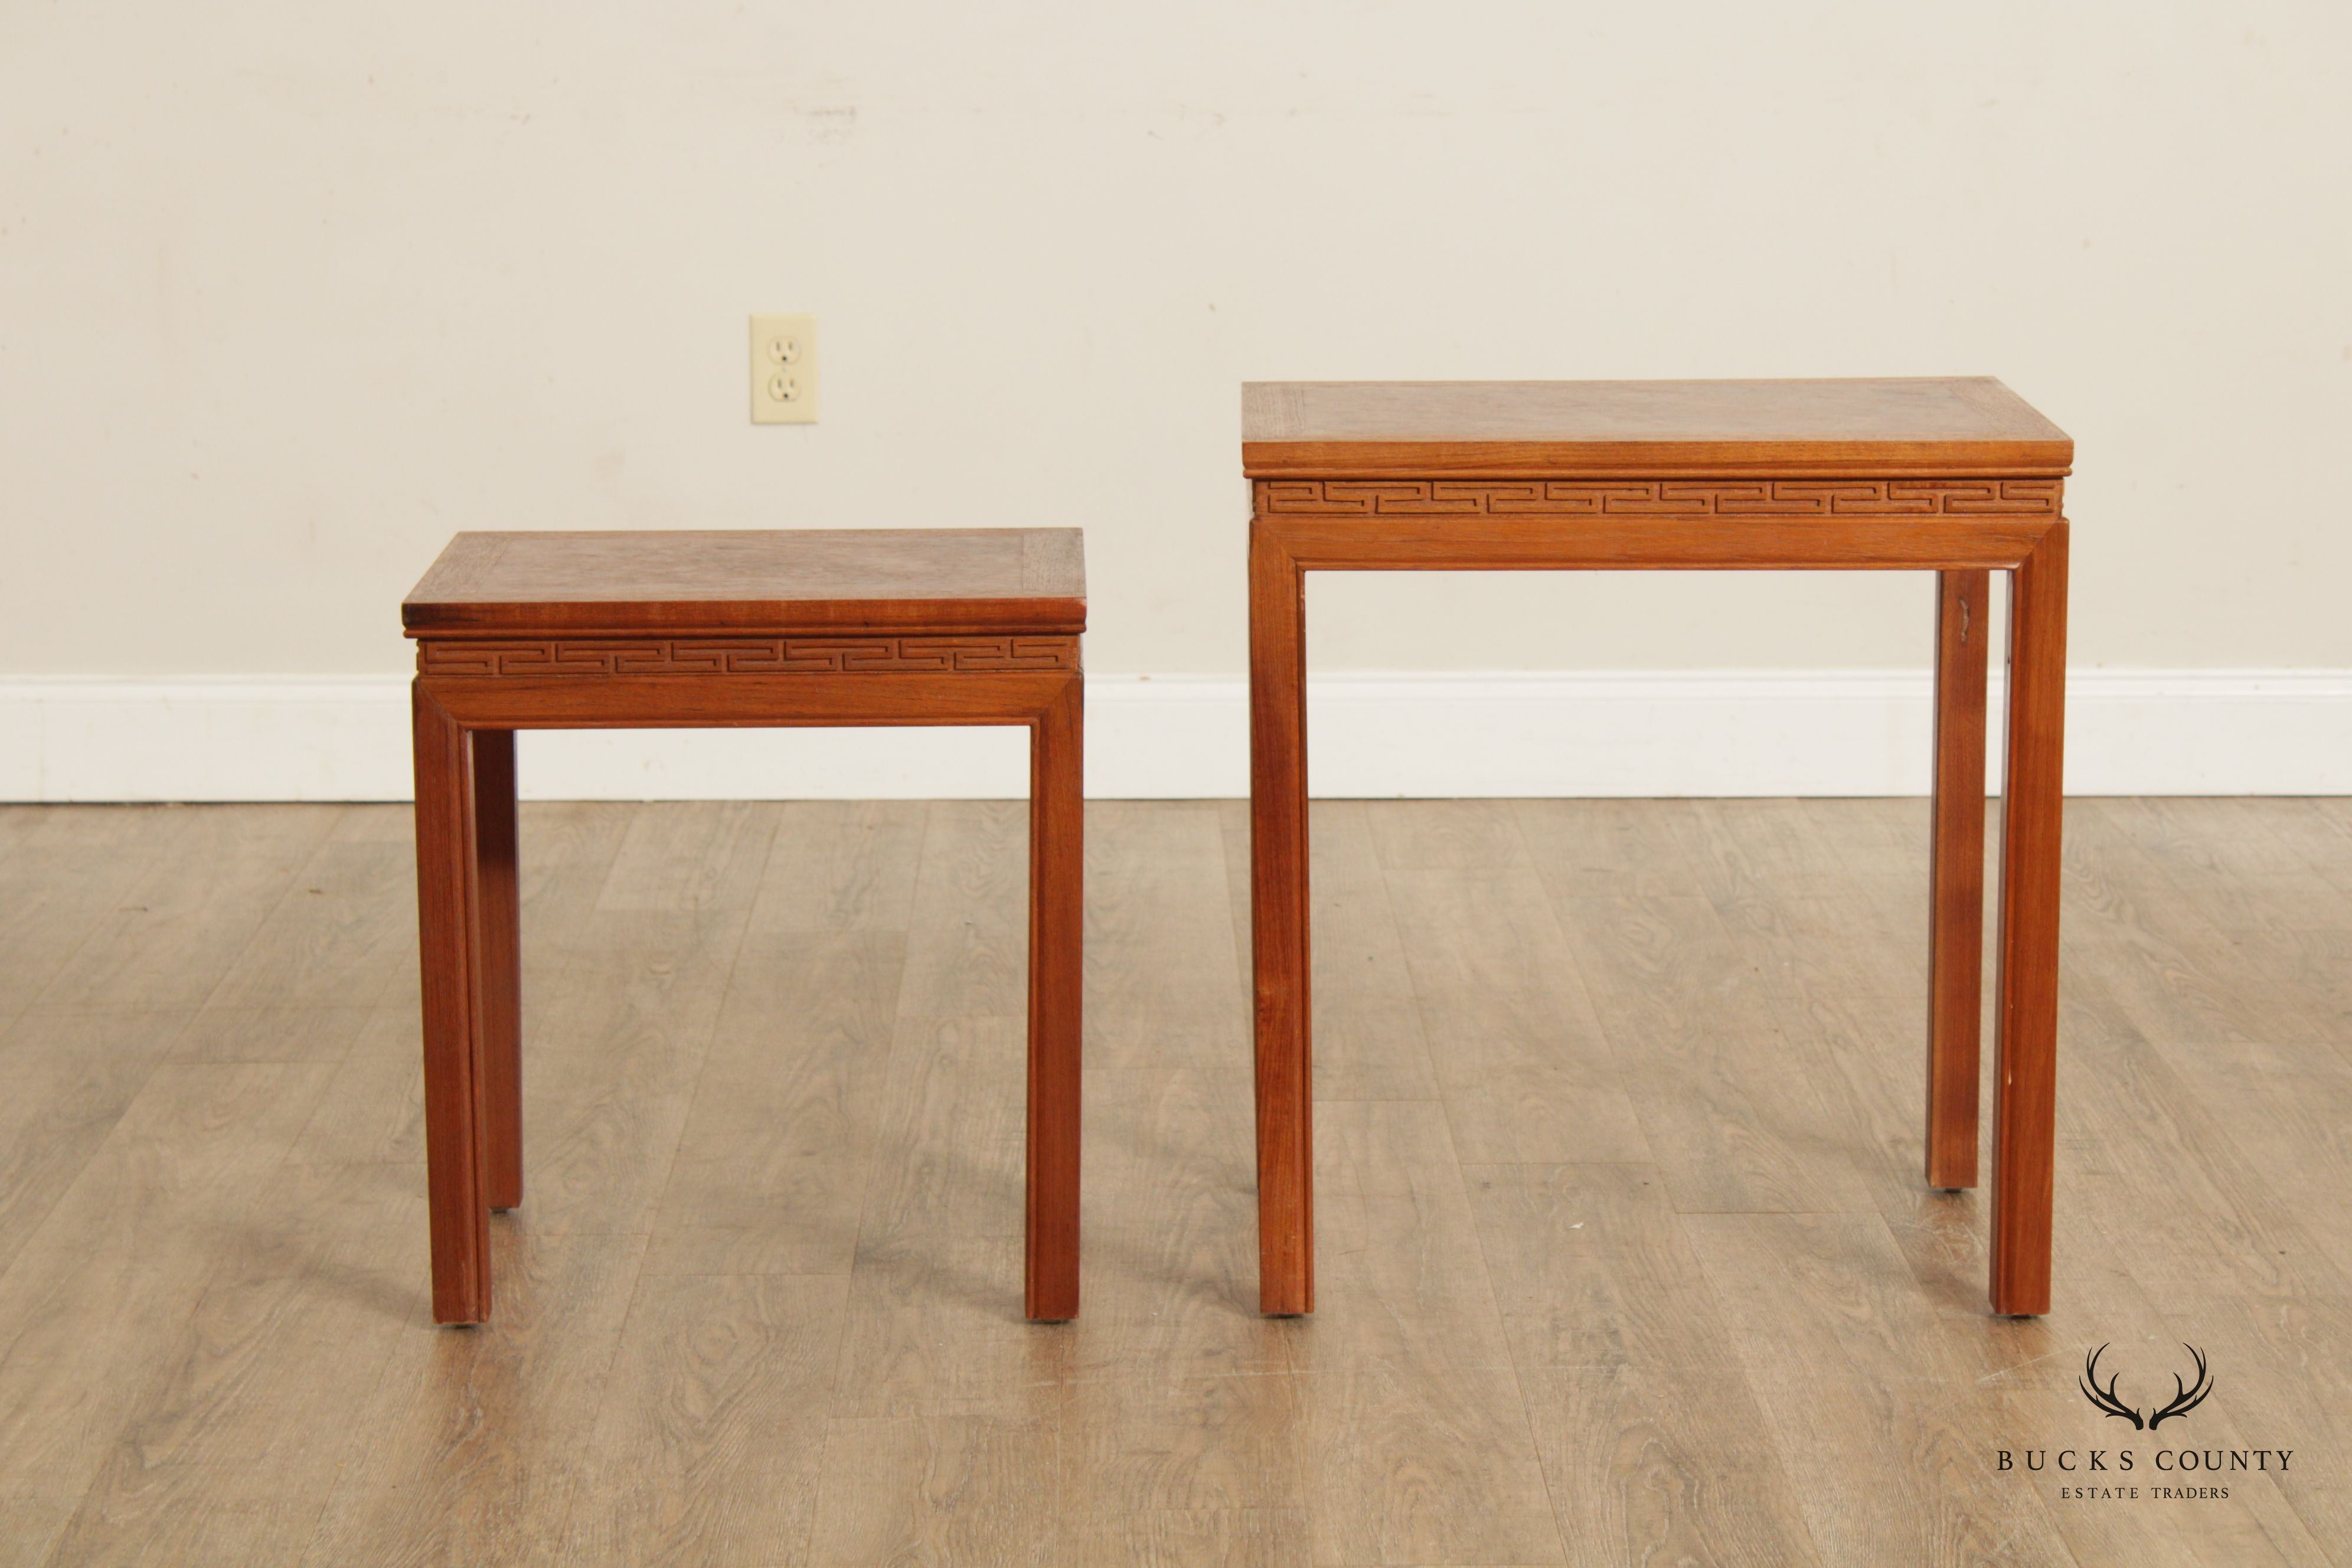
747	656
1660	498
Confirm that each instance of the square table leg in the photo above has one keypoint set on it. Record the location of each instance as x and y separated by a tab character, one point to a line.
1956	878
497	902
2026	1066
1057	983
1286	1138
449	958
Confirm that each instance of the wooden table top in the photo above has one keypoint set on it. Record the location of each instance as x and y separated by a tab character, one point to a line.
754	579
1648	429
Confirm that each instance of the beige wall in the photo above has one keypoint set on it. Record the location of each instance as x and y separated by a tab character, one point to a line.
288	292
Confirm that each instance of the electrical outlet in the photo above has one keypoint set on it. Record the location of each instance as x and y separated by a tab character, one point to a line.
784	370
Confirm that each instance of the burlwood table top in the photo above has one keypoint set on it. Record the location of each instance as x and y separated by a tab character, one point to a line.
772	581
1945	427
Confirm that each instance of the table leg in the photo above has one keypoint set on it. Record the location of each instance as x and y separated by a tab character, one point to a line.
1286	1139
497	899
2026	1067
449	958
1057	979
1956	878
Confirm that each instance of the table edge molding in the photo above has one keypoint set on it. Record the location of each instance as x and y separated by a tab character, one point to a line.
1826	497
722	656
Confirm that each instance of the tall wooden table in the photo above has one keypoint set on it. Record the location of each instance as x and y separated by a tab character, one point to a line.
519	631
1958	477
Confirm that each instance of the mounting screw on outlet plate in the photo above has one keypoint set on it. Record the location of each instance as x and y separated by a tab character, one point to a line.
784	370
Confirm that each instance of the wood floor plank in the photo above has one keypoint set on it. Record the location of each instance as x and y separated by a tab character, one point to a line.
1233	820
1408	1464
712	1431
1519	1054
69	868
1878	839
2161	1134
1153	1442
229	1451
149	1528
935	1296
763	1300
771	1172
1591	1269
1169	1240
343	933
1369	1042
2320	831
1883	1440
2289	1369
1649	1435
1707	1063
1834	962
1399	1250
1765	850
1659	1466
1418	1444
975	865
631	928
1455	835
475	1443
935	1313
1157	920
2287	1111
30	1528
1849	994
1170	1538
297	1034
968	923
1608	848
177	930
841	864
2226	863
94	1297
611	1062
2311	969
17	821
567	849
772	1162
372	1111
690	855
65	1081
939	1488
2100	1219
2166	967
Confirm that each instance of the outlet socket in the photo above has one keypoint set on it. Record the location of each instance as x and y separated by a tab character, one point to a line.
784	370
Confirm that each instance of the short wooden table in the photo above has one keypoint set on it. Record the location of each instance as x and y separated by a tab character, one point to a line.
1958	477
519	631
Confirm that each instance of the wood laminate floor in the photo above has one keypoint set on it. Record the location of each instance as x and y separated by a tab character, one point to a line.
1625	1253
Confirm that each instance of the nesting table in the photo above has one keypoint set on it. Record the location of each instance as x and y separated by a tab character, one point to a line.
610	630
1958	477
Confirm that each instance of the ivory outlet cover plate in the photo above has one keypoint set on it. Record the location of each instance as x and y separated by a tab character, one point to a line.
784	370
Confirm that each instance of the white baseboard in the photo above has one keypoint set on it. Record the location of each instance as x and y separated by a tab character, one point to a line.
1682	732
